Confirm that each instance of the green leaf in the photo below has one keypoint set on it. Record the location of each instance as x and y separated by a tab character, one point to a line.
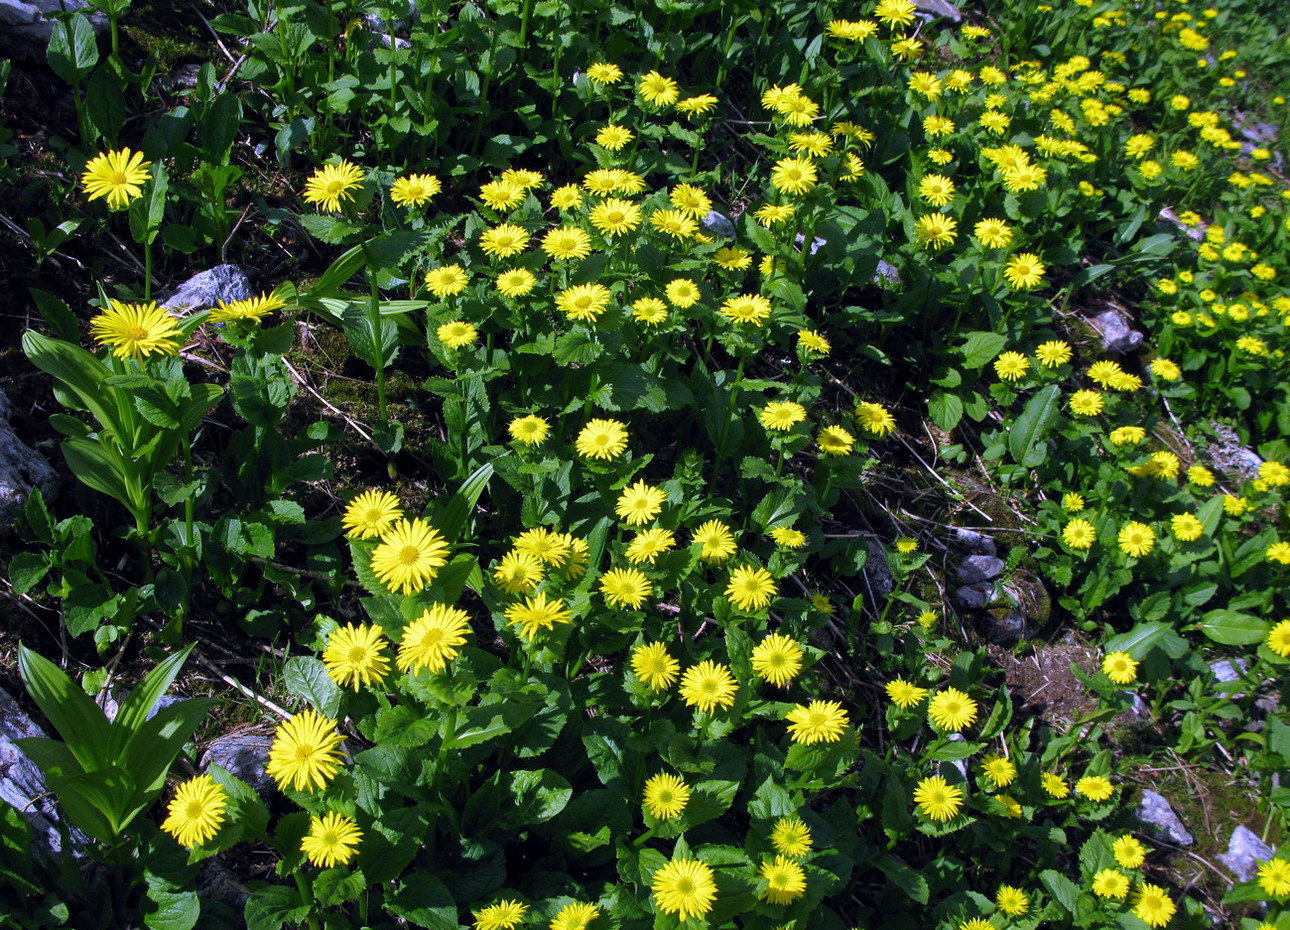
26	570
134	710
158	741
1147	636
1028	438
78	370
78	720
980	348
453	512
73	51
306	677
338	886
945	409
176	909
1233	628
1062	888
272	907
908	880
537	796
100	469
424	901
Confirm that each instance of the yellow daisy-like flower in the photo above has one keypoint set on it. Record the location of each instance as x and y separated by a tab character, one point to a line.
666	796
777	659
1279	639
1136	539
1127	435
515	283
523	179
304	752
788	537
137	330
1079	534
690	199
791	837
812	341
575	916
1274	877
659	90
331	184
1094	787
537	613
653	665
504	241
750	588
936	230
716	542
518	572
781	415
708	685
409	556
196	811
1129	853
1053	353
504	915
937	799
640	503
746	309
815	144
1186	527
446	281
1279	552
332	840
530	430
456	333
993	234
893	13
583	302
603	72
615	217
732	259
904	694
649	310
1021	178
675	223
785	880
433	639
1011	366
567	242
614	137
118	176
370	514
906	545
501	194
817	722
698	104
1055	785
999	770
685	888
414	189
1072	502
250	308
625	587
602	439
834	440
952	710
1274	474
355	655
1111	883
648	545
936	189
874	418
773	214
793	175
1153	905
566	198
1120	667
1024	271
682	293
1012	901
1086	403
550	547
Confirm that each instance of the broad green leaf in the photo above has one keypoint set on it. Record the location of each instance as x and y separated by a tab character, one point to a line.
134	709
908	880
101	470
73	50
453	512
1147	636
78	719
1233	628
307	677
945	409
1062	888
84	374
1028	438
158	741
980	348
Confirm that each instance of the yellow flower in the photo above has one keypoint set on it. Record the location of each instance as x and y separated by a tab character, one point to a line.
196	811
791	837
1012	901
750	588
355	655
732	259
684	887
1153	905
615	217
1274	474
583	302
937	799
788	537
456	333
708	685
1186	527
504	915
614	137
652	664
675	223
793	175
433	639
952	710
716	542
698	104
1054	785
602	439
666	796
566	198
834	440
304	752
817	722
1127	435
936	230
893	13
518	572
331	840
603	72
1024	271
777	659
647	546
994	234
1072	502
446	281
1079	534
530	430
682	293
874	418
515	283
137	330
659	90
249	308
119	176
1086	403
936	189
501	195
773	214
1279	639
575	916
649	310
409	556
1111	883
414	189
537	613
1011	366
371	513
1002	772
691	200
748	309
331	184
1120	667
567	242
1128	852
812	341
785	880
639	503
504	241
1136	539
1274	877
904	694
1094	787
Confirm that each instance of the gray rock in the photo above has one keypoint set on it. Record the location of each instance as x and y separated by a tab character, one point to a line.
1117	335
221	284
816	243
1231	457
877	573
959	764
886	272
973	542
939	8
1159	818
22	786
974	596
111	701
977	568
1228	669
217	882
1195	233
1260	134
26	26
1005	627
1136	712
1244	853
21	469
718	225
244	754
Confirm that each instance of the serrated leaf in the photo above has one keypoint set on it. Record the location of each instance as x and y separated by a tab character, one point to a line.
1028	438
306	677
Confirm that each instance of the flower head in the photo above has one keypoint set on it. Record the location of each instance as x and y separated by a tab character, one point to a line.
817	722
1024	271
750	588
331	840
625	587
614	137
137	330
1136	539
331	184
575	916
1054	785
993	234
777	659
1011	366
515	282
654	666
456	333
518	572
874	418
952	710
684	887
659	90
935	230
1079	534
355	655
1279	639
1012	901
304	752
537	613
1120	667
409	556
1129	853
1094	787
249	308
666	796
1086	403
567	242
196	811
615	217
904	694
936	189
1274	877
433	639
1153	905
603	72
791	837
716	542
446	281
414	189
1111	883
119	176
793	175
648	545
785	880
937	799
530	430
504	915
583	302
748	309
602	439
781	415
1053	353
1002	772
708	685
834	440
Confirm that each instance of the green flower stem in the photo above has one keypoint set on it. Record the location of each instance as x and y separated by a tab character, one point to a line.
311	921
147	268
